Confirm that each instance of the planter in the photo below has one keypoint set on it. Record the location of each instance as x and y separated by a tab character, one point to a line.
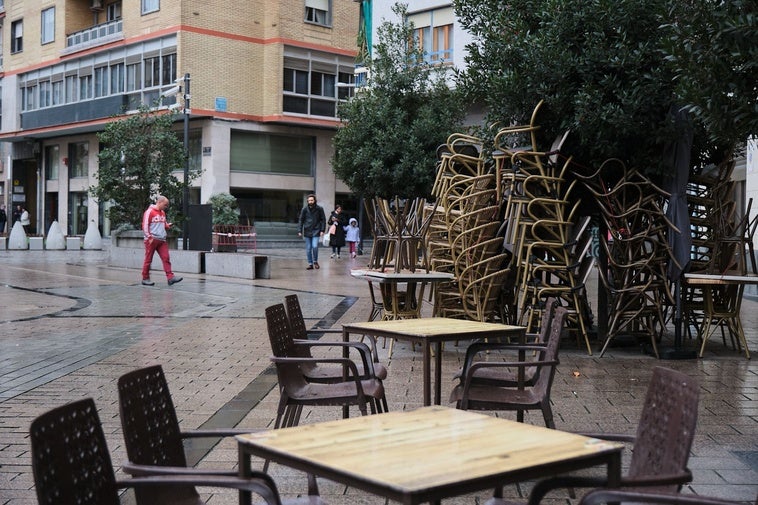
135	239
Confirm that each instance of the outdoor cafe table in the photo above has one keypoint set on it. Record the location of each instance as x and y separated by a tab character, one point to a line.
396	302
433	330
428	454
707	282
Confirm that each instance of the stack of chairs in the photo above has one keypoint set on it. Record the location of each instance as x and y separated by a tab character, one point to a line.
399	227
548	242
720	240
463	236
503	227
637	250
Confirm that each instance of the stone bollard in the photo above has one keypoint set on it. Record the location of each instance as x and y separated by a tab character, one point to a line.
55	238
92	238
17	239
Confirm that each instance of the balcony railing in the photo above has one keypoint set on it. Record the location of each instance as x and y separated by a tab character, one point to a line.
95	36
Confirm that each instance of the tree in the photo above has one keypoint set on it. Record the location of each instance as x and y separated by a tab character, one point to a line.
140	154
392	127
225	209
602	70
714	53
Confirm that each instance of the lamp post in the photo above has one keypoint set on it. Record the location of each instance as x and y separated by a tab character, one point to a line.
185	195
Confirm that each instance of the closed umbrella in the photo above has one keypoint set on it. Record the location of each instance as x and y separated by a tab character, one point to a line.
678	155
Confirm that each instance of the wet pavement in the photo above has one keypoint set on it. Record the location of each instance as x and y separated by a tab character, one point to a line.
70	325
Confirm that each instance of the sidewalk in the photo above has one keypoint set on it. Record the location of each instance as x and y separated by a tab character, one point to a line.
70	325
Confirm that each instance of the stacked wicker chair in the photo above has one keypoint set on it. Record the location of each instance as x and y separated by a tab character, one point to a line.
637	251
719	242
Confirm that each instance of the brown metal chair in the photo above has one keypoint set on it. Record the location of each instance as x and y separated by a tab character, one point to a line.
72	464
600	496
297	391
321	373
154	440
475	395
504	377
662	443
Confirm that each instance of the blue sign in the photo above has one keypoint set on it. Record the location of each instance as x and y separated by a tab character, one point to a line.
221	104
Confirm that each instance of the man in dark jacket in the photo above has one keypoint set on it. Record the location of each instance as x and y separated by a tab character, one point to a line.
311	227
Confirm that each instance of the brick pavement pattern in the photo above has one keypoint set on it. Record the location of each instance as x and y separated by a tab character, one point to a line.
70	325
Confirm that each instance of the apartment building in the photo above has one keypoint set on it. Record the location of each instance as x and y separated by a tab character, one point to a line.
264	85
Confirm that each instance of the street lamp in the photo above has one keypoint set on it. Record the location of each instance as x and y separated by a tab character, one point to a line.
185	195
185	91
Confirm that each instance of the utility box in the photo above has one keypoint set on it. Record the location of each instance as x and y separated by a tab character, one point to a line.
200	227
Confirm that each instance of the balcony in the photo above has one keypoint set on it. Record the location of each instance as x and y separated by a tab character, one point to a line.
94	36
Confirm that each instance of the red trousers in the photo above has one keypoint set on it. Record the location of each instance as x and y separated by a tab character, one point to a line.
161	247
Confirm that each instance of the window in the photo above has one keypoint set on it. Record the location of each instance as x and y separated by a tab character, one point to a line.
434	34
442	49
282	154
149	6
101	81
58	97
113	11
71	89
152	72
318	12
29	97
133	77
52	162
85	87
310	86
78	159
77	211
45	94
17	36
168	70
48	26
117	78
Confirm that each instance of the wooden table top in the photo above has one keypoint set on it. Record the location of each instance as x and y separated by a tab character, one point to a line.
427	453
724	278
432	327
420	275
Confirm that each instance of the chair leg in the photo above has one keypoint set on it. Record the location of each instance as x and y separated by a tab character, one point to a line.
547	414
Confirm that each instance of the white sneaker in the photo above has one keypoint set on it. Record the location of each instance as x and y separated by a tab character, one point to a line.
332	256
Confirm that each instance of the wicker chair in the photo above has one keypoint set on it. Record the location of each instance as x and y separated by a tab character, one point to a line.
72	464
154	440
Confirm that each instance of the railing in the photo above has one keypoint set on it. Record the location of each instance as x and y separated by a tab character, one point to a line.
94	36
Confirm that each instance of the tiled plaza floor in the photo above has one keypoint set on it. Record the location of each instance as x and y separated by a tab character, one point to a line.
70	325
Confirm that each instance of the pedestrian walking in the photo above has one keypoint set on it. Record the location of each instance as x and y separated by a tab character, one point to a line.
337	225
3	219
352	235
154	226
311	227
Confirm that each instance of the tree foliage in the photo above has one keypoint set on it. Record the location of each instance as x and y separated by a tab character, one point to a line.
140	154
601	67
391	128
225	209
713	49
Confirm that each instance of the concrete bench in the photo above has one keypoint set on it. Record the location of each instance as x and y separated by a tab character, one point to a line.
73	243
181	261
244	266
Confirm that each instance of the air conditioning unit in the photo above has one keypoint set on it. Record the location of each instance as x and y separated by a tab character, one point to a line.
96	5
